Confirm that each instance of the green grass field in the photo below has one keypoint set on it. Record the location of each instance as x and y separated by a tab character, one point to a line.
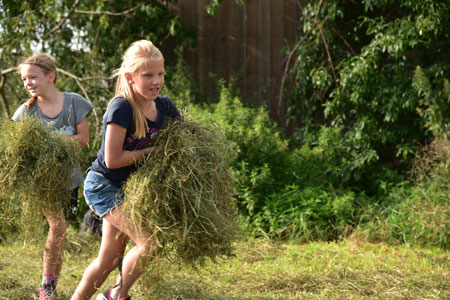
261	270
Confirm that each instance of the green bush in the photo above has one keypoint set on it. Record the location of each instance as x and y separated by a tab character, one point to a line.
415	212
306	214
375	72
262	162
413	215
283	193
329	184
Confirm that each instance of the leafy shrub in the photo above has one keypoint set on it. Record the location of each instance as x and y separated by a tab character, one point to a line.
282	193
383	88
338	156
306	214
412	215
416	212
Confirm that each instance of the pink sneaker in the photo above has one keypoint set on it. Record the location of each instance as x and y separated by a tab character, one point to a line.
107	296
47	290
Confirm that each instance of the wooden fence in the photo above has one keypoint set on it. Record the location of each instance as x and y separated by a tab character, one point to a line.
242	38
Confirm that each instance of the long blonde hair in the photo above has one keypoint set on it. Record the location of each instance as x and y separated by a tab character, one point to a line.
43	61
137	55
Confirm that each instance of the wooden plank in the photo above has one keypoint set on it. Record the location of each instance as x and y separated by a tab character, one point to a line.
290	33
292	20
188	13
276	60
264	52
251	11
202	46
230	51
217	42
239	48
209	36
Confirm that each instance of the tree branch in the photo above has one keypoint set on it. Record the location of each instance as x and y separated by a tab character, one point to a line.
9	70
286	68
2	98
343	39
328	54
90	12
57	27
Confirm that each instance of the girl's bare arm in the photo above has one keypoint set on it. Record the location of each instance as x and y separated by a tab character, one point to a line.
115	156
82	135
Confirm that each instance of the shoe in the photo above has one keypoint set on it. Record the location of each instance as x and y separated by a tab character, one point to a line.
47	290
107	296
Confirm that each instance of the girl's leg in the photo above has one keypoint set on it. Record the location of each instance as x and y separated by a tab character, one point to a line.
54	245
53	251
112	247
136	259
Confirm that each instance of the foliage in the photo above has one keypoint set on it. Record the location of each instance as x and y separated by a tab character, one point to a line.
375	73
261	156
411	215
281	193
213	5
306	194
180	84
415	213
307	214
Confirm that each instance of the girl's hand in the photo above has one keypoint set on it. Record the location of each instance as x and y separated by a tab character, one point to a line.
148	150
82	135
115	156
145	151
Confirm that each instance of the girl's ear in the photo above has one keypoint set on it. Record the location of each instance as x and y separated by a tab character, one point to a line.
52	76
129	78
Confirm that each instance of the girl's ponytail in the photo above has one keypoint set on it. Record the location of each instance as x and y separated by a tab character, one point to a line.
30	102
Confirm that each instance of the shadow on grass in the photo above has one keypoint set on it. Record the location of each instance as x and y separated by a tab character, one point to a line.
188	289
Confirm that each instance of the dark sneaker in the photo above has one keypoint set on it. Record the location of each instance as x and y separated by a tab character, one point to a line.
47	290
107	296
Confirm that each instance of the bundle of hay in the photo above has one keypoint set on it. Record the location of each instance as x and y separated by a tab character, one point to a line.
35	169
182	193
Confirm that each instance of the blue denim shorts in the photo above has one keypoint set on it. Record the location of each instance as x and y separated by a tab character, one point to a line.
101	195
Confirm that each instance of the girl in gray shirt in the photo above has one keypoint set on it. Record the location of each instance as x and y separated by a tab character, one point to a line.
66	113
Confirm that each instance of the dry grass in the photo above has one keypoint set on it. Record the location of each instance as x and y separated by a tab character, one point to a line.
417	213
35	169
432	164
182	193
261	270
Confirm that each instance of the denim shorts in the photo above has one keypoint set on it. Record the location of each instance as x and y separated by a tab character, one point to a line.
101	195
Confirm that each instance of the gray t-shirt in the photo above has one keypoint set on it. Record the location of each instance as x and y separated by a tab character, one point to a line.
75	109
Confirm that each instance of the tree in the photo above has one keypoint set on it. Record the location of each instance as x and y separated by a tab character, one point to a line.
87	38
376	71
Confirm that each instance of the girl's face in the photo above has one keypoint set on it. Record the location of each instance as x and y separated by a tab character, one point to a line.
35	80
148	81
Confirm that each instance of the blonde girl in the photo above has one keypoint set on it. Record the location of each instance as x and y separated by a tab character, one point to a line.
133	118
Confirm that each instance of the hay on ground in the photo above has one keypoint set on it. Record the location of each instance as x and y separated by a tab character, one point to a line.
35	170
182	193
